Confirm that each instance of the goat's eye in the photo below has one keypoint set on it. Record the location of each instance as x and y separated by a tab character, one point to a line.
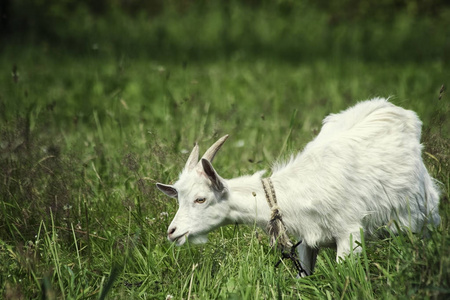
200	200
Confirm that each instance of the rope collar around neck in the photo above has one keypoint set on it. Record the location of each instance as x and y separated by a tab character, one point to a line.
277	229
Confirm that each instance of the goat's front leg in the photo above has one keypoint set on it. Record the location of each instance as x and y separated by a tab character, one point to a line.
347	244
307	256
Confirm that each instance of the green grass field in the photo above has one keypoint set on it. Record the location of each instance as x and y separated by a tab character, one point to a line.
84	138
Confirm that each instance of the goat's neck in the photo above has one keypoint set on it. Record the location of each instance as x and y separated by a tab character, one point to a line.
248	204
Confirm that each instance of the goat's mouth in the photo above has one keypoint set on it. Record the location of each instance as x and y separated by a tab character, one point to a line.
179	239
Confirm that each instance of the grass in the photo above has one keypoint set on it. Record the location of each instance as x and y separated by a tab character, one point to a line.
84	139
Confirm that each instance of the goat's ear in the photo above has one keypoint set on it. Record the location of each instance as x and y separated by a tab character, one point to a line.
212	175
167	189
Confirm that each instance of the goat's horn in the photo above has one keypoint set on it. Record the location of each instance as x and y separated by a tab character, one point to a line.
209	155
193	158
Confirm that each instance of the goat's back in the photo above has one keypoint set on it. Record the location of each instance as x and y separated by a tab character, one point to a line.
373	117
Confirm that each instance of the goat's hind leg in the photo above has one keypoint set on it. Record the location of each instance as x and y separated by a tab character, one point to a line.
308	257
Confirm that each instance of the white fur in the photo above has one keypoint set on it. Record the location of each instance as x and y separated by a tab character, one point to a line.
363	170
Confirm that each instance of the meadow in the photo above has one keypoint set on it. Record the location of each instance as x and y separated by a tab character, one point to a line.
86	134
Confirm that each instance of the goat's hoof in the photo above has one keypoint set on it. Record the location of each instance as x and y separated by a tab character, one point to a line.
302	275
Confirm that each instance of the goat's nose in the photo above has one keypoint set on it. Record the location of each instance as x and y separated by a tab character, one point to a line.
171	230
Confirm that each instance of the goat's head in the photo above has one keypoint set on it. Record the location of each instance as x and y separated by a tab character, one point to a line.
201	195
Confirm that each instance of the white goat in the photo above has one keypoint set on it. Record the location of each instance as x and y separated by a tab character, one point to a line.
363	170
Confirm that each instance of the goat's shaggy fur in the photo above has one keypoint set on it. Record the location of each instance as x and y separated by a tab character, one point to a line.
363	170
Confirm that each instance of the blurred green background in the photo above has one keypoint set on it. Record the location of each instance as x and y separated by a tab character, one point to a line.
399	30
